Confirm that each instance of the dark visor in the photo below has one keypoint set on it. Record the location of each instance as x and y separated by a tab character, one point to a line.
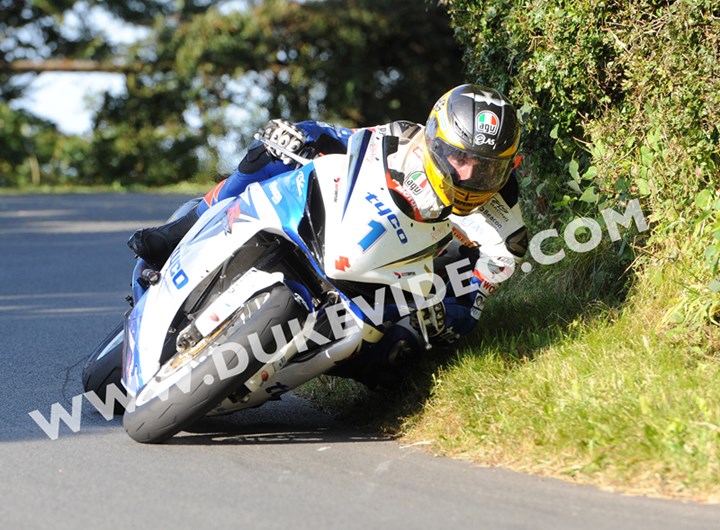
470	172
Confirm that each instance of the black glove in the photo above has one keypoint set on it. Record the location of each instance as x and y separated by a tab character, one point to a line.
433	317
284	134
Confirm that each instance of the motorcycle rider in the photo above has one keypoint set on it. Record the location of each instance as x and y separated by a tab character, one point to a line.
458	167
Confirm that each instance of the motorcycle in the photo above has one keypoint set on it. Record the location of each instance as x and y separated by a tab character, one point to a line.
270	289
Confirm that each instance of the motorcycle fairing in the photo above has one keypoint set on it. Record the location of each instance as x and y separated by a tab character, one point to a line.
361	215
277	206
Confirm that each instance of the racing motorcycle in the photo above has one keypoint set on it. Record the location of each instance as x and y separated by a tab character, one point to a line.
269	290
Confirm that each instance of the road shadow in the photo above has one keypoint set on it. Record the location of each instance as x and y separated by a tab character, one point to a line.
291	420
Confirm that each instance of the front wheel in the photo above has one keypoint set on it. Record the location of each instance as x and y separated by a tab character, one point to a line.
191	384
104	367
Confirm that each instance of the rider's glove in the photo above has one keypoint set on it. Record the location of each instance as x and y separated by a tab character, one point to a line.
284	134
433	317
435	321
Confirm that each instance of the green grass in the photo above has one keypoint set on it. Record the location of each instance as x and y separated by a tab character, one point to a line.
617	404
566	378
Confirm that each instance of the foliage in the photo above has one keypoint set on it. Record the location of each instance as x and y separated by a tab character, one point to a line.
662	143
406	47
620	100
359	62
610	376
34	153
554	385
551	59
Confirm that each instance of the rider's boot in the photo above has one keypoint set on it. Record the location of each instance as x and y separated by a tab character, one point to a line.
385	363
155	245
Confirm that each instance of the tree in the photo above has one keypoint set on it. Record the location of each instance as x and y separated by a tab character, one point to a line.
357	62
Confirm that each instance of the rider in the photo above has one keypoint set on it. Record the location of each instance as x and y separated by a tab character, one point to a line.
459	166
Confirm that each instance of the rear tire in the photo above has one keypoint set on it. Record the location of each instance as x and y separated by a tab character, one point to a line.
177	397
104	367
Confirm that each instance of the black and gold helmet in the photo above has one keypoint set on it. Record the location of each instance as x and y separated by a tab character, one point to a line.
471	139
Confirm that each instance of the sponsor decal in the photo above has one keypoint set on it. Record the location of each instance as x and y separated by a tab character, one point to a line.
463	238
487	122
337	189
402	190
277	389
490	217
404	125
488	287
374	151
497	205
478	306
481	139
179	278
275	192
376	231
416	182
387	213
300	181
342	263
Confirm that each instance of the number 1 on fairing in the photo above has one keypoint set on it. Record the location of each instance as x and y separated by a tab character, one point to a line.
376	230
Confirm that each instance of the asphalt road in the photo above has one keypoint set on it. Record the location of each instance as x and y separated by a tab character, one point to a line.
64	273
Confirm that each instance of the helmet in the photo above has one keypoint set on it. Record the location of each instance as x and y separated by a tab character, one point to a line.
471	138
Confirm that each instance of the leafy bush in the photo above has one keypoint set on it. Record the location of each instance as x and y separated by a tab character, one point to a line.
620	99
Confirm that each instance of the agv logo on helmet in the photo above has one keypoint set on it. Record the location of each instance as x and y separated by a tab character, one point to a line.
487	123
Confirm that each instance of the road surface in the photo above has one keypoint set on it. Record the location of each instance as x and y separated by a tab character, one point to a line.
64	273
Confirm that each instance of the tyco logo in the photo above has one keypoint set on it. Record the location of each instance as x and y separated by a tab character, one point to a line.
387	213
179	277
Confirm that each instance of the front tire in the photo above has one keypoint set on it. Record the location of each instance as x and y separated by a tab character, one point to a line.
104	367
177	396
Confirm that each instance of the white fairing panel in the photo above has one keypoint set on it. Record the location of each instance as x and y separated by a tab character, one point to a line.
187	267
367	238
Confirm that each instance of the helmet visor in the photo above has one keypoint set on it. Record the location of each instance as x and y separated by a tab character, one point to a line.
470	172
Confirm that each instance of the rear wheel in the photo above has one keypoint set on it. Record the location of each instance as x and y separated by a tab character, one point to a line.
191	384
104	367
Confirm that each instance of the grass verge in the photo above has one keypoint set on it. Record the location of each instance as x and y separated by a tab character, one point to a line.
562	380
